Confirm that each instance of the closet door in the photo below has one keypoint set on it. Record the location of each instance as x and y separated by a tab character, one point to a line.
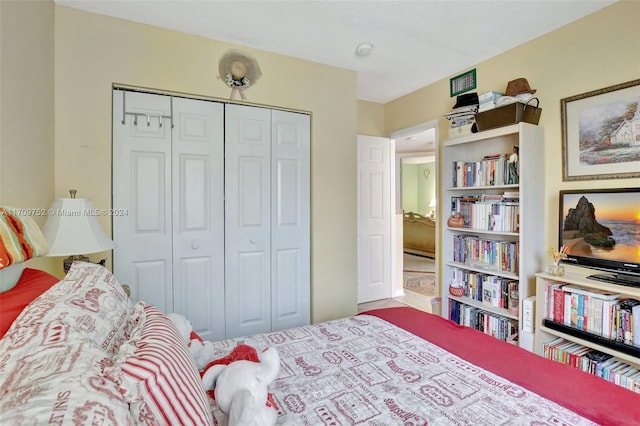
290	220
141	185
198	214
171	245
247	220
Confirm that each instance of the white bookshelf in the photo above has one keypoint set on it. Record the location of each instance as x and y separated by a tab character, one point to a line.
530	235
544	334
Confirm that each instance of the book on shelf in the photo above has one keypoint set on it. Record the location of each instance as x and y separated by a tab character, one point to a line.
600	364
593	292
625	320
635	312
487	322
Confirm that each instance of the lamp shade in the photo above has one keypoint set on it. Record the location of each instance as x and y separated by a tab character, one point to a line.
432	204
72	228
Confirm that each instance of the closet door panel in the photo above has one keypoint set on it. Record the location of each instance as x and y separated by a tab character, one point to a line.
290	236
142	186
198	214
247	220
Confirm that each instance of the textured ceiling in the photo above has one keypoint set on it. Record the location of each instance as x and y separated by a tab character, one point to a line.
415	42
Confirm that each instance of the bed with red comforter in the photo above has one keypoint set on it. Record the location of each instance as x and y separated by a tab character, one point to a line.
82	352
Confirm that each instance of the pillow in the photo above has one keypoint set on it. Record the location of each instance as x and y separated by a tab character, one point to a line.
57	378
89	300
156	374
20	237
32	283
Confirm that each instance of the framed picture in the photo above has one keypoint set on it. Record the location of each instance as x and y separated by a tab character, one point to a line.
601	133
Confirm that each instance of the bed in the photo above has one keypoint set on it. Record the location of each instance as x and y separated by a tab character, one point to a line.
83	352
78	351
419	234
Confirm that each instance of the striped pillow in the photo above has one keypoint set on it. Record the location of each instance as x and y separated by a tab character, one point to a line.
158	376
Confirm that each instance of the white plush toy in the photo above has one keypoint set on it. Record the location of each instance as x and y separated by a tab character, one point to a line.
241	388
202	352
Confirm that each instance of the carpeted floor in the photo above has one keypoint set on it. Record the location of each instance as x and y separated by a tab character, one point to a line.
420	282
419	275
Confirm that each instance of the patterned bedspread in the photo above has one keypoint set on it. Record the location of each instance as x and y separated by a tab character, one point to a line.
364	370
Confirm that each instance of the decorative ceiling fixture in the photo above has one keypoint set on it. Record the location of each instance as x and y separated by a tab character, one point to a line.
364	49
239	70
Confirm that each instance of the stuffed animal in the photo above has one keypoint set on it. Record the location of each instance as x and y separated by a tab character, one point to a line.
240	382
201	351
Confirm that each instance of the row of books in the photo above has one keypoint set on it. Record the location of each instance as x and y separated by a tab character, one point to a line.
595	311
492	291
489	323
593	362
487	213
487	254
492	170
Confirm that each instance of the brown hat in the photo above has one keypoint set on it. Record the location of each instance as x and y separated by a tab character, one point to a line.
518	86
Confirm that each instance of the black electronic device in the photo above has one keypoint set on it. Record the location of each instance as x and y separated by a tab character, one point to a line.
600	229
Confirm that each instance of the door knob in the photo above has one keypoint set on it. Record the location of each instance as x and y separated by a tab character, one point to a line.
252	241
194	246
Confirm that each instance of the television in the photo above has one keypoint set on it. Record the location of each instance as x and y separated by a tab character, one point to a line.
600	229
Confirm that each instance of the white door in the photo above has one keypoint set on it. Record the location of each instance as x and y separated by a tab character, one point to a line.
247	220
267	227
141	185
198	214
171	245
290	220
374	219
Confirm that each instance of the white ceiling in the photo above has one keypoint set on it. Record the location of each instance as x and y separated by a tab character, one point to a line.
415	42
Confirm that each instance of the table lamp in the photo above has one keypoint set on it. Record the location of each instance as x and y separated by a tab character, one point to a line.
432	206
72	229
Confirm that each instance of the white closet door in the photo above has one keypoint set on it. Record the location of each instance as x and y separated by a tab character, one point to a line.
290	220
198	215
142	186
247	220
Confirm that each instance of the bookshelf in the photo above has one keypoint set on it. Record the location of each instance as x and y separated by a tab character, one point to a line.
507	232
547	330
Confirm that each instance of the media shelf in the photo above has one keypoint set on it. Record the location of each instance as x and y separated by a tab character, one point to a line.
506	254
546	330
615	346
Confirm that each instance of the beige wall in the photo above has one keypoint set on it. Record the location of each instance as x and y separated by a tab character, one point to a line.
600	50
26	106
92	52
370	119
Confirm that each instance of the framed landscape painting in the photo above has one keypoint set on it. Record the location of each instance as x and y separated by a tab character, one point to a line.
601	133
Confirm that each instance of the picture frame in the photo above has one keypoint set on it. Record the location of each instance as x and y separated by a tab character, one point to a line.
601	133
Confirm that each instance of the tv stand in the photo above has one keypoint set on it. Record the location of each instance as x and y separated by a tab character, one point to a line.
620	279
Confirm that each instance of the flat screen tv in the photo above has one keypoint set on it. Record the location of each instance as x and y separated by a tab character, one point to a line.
601	230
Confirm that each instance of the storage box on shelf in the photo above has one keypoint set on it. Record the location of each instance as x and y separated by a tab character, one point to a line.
493	257
594	318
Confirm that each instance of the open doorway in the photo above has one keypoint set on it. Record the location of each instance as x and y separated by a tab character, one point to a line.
416	198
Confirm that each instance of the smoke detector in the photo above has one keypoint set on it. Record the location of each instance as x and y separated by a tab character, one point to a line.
364	49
